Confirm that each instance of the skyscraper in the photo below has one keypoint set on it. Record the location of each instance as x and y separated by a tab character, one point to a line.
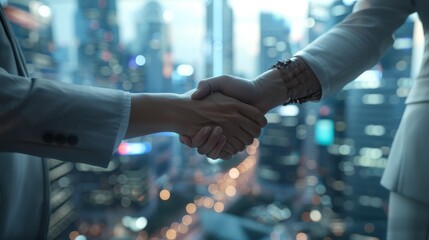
99	50
274	40
151	49
328	127
219	38
361	121
34	35
375	104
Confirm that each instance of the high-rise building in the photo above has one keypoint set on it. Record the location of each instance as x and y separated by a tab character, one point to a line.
375	104
326	119
123	194
274	40
151	57
34	35
354	130
32	25
280	142
219	38
99	51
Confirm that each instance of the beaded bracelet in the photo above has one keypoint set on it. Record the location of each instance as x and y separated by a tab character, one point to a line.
300	81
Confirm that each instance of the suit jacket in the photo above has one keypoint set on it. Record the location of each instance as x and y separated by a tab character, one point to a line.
45	118
356	44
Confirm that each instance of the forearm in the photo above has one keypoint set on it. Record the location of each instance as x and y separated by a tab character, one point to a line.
289	81
53	119
356	44
152	113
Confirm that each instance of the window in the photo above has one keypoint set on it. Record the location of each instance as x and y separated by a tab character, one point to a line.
302	178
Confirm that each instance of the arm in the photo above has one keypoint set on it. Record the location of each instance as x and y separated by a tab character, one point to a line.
80	124
330	62
52	119
355	44
334	59
178	113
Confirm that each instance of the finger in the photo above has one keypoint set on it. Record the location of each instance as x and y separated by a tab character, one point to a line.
249	126
249	130
237	144
228	148
214	153
185	140
200	137
225	156
212	140
203	90
253	114
205	87
245	130
247	138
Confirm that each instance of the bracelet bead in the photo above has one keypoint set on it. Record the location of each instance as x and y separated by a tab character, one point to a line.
300	81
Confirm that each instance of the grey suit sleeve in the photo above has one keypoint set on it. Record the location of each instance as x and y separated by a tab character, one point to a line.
356	44
52	119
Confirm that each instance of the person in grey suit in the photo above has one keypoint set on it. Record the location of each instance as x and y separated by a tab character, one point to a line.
327	65
41	118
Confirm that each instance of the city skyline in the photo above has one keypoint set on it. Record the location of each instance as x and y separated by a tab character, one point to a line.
188	30
318	154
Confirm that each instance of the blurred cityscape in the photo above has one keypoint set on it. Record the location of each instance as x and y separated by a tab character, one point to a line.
313	174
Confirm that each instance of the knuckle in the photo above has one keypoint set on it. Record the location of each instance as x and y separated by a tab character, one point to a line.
201	151
229	150
241	148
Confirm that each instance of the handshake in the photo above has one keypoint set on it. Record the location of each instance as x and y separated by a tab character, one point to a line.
225	113
236	107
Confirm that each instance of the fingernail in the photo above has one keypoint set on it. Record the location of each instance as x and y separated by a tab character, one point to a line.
206	130
217	131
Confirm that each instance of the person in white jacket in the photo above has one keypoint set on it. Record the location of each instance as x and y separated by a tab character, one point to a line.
42	118
325	66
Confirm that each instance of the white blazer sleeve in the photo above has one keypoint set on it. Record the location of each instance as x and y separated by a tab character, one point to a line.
355	44
52	119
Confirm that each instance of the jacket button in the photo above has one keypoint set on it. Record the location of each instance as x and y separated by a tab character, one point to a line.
72	140
60	139
48	137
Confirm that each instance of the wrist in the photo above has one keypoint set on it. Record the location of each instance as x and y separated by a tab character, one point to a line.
152	113
273	91
301	83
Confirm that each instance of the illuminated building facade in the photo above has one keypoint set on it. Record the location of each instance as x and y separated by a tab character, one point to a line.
375	103
313	174
99	52
280	143
33	28
150	51
326	119
274	40
354	130
34	35
219	38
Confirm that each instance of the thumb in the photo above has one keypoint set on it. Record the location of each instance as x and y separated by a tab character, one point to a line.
203	90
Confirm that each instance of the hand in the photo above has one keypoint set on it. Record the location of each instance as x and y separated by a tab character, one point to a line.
240	122
244	90
264	93
241	89
209	141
